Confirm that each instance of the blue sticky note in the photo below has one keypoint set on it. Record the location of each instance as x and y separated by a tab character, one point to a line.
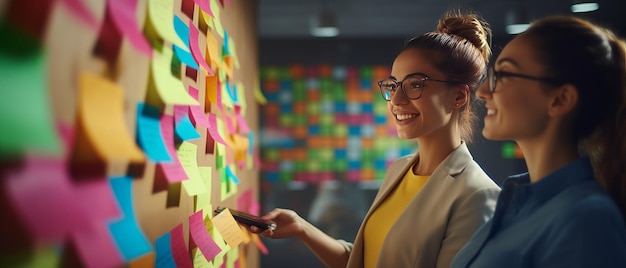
231	175
225	47
182	30
164	257
251	143
185	57
232	92
127	234
185	129
149	135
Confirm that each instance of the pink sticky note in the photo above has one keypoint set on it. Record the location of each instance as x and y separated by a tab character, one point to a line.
45	199
96	248
228	121
195	48
198	116
213	129
173	171
125	18
102	206
205	6
257	158
201	236
241	122
179	248
82	12
247	203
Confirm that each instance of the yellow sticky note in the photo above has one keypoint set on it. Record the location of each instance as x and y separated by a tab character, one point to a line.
213	51
241	95
199	261
101	113
246	234
170	89
231	257
228	228
203	200
217	237
241	147
42	256
161	15
211	90
233	52
217	23
258	94
187	155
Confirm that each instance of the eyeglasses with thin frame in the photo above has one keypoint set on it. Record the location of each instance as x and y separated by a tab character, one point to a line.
412	86
493	76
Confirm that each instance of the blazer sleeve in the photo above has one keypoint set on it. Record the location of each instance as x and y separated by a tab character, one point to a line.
472	212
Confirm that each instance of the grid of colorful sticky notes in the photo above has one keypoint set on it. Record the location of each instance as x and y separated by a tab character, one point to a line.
325	122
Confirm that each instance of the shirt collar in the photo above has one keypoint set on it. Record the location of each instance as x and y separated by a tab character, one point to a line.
575	172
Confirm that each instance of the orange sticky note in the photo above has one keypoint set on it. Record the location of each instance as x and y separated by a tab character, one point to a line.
101	114
229	228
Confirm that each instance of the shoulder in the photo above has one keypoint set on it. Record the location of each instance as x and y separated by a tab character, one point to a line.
590	204
474	178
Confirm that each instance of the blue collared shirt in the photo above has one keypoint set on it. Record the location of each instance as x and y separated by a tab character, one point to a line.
564	220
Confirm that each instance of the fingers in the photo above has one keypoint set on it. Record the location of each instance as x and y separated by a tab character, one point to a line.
277	212
262	232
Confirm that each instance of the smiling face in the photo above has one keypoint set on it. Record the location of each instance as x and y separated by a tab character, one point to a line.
517	109
432	113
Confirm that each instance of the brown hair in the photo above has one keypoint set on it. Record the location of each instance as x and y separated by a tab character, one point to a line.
460	47
592	59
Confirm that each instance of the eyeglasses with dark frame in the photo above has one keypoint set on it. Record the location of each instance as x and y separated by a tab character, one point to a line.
493	76
412	86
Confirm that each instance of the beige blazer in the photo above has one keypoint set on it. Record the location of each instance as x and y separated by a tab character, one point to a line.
457	199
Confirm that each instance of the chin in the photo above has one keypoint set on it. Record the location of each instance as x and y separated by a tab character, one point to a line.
490	135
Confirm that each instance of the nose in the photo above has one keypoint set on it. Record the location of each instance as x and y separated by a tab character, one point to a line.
483	91
398	98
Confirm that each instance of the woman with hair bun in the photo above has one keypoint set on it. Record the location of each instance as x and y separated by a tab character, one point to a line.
429	203
558	90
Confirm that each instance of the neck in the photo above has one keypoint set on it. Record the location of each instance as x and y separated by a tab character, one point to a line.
543	158
433	149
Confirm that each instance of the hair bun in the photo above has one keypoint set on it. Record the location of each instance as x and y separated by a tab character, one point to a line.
470	27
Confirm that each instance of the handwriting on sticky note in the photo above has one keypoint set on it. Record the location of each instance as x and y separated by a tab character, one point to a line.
228	227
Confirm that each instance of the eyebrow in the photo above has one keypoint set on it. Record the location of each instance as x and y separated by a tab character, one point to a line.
505	60
411	74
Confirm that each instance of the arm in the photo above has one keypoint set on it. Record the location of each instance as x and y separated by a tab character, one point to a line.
473	212
289	224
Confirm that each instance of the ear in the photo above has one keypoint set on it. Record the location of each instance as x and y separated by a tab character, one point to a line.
563	101
461	96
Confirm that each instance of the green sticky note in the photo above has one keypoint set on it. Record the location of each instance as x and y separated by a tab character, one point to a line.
25	113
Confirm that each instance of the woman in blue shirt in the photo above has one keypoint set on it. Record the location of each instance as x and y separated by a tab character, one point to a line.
558	91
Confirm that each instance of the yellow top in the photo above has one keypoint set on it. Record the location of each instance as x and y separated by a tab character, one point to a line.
381	220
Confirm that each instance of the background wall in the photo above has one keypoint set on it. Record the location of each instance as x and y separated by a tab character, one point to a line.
124	124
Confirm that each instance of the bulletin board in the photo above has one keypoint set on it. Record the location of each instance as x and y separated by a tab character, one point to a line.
125	123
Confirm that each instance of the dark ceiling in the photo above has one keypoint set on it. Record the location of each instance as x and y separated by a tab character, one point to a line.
403	18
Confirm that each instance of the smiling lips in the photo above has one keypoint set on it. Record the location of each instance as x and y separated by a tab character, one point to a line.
491	111
402	117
